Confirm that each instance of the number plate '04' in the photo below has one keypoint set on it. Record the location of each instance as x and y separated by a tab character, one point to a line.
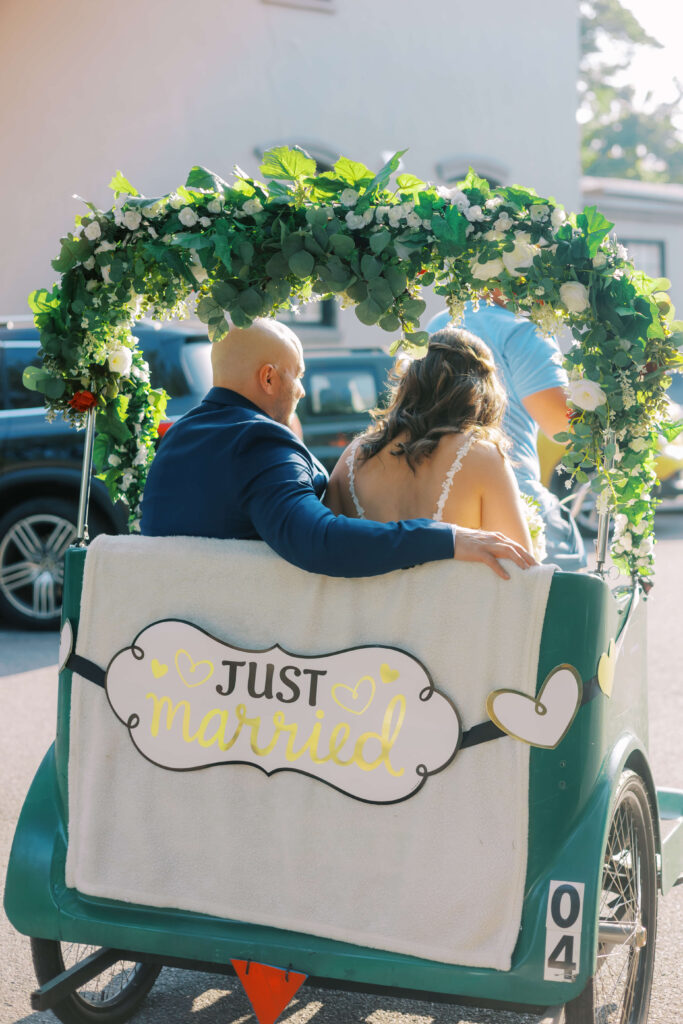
563	931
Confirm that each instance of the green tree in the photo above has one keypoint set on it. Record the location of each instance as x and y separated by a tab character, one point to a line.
619	139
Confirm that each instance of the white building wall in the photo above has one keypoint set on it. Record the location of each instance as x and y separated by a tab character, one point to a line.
153	87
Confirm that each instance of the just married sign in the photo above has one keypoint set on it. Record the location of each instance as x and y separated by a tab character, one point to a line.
367	721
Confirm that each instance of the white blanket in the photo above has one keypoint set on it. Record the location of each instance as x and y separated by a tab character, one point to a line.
438	876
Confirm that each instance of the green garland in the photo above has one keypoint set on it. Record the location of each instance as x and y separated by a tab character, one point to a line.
251	249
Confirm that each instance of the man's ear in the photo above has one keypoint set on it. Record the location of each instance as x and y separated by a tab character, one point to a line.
266	378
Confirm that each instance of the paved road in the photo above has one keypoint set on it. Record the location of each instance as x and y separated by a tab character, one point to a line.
27	712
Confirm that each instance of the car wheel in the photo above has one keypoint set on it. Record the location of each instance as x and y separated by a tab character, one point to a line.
34	537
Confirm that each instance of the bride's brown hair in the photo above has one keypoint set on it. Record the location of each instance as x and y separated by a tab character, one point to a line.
453	388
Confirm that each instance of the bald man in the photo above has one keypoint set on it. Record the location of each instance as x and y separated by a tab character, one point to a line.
233	468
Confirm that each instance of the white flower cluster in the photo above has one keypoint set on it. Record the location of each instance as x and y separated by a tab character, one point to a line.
359	220
630	540
455	196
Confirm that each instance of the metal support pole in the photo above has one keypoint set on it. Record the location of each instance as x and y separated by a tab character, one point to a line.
602	541
86	476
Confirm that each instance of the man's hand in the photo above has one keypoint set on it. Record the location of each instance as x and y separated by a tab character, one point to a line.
482	546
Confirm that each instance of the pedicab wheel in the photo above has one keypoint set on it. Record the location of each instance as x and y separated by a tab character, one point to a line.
109	998
619	992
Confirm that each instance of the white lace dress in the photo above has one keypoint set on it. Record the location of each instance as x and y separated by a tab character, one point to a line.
445	489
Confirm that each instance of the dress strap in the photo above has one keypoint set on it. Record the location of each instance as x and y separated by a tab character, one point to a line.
350	464
448	482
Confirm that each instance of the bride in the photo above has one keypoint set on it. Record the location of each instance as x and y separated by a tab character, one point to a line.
443	419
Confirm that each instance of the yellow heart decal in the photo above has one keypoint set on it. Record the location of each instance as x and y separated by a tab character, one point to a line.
388	675
158	670
606	668
355	697
191	667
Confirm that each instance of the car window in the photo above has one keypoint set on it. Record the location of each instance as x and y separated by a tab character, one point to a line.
14	357
339	392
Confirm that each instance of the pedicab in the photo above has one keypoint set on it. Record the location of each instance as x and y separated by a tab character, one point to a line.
433	784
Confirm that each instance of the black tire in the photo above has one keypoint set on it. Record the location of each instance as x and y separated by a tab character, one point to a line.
619	992
34	536
110	998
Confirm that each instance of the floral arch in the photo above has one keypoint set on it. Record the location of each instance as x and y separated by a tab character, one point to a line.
249	249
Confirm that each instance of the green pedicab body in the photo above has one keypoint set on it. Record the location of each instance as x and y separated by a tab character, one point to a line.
570	795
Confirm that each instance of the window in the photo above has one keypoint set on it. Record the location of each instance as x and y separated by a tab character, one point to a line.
647	255
14	357
339	392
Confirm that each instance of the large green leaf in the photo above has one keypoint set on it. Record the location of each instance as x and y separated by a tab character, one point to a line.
287	164
74	250
351	173
595	226
121	186
201	177
381	179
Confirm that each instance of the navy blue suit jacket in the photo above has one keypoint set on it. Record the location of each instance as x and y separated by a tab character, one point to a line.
228	470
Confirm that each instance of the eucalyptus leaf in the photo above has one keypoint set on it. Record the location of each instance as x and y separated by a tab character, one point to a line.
379	241
368	312
342	245
301	263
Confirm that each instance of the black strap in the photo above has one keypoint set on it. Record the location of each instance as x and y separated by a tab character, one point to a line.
88	669
481	733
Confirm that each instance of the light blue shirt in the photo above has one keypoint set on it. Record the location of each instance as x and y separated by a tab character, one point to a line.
527	362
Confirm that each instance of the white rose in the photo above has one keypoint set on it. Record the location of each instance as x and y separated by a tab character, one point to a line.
349	197
574	295
141	457
586	394
127	479
639	444
252	206
215	206
175	201
92	230
486	271
455	196
120	361
538	212
89	263
205	222
152	211
621	251
646	546
151	232
493	204
620	523
625	542
504	222
521	257
92	285
494	236
114	460
106	247
558	217
474	213
413	220
132	219
187	217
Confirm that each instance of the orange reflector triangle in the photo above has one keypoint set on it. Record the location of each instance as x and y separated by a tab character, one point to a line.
268	989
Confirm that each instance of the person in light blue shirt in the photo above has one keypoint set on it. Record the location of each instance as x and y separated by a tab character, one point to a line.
530	369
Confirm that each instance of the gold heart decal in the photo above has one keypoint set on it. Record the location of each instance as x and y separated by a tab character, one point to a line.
544	720
354	695
388	675
158	670
191	668
606	669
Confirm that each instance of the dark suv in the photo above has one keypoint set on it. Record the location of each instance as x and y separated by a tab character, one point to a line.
40	462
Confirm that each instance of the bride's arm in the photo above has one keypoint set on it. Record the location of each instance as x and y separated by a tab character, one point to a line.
501	506
337	494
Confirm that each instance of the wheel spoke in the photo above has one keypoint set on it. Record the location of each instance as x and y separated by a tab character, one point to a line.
44	597
60	538
26	540
20	574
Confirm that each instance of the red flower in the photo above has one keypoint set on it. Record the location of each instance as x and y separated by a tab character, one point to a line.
82	401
